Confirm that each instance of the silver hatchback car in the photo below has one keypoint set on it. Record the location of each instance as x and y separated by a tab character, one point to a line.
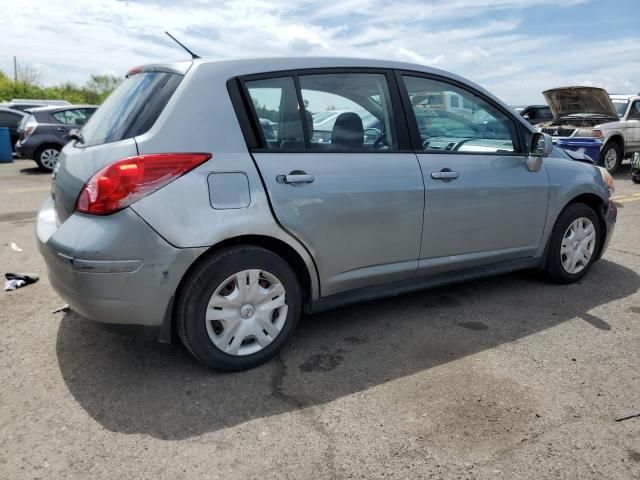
201	202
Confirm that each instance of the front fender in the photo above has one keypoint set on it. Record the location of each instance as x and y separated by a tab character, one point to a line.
610	133
569	180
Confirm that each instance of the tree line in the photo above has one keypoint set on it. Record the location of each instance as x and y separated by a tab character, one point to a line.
97	88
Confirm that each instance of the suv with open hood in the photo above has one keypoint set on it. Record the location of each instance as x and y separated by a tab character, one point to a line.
592	112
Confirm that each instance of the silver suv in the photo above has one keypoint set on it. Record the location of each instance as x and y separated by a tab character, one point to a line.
200	201
592	112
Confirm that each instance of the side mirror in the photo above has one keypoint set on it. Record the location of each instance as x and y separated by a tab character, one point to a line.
371	134
541	145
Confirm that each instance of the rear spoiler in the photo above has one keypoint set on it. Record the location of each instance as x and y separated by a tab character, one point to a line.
180	68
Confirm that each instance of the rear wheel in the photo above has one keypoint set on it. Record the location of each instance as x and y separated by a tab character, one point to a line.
47	157
238	308
611	156
574	244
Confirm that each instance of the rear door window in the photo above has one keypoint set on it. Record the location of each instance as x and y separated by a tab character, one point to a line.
74	117
349	111
132	108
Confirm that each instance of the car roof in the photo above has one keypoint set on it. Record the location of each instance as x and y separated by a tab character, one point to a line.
11	110
227	69
250	66
59	108
618	96
22	101
260	65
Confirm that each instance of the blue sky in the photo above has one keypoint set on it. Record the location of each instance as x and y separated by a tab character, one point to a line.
515	48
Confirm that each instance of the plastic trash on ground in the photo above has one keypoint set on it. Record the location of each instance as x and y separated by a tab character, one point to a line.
17	280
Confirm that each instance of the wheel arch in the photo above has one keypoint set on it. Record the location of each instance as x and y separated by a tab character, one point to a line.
308	279
600	207
46	144
618	139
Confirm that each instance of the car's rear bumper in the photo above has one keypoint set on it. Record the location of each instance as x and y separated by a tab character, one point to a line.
113	269
25	150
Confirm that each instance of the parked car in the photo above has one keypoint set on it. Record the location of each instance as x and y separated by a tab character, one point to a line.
11	119
536	114
592	112
46	130
168	215
24	104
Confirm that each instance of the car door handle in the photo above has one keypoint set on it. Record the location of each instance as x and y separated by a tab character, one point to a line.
61	129
295	177
445	174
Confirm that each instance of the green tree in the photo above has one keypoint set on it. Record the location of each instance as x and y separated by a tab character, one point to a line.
103	85
94	91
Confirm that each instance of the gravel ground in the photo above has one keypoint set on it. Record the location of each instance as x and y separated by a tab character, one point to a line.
509	377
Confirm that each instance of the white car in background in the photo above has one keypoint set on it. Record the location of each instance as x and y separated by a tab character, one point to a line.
592	112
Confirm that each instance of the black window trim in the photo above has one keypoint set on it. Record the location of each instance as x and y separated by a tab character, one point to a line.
521	149
254	136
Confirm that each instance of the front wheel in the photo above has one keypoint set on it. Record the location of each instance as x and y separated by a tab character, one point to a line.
574	243
611	157
238	308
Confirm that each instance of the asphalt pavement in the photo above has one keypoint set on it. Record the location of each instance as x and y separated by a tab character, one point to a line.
508	377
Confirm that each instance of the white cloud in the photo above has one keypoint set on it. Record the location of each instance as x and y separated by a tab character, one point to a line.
485	40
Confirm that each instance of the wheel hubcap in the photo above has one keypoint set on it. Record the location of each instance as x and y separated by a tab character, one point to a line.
246	312
578	244
610	158
49	158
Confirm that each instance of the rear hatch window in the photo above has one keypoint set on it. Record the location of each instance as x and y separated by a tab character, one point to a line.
131	109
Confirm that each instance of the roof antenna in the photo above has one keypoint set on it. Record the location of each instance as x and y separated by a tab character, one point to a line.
193	55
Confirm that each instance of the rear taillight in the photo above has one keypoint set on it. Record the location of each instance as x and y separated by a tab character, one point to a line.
30	126
126	181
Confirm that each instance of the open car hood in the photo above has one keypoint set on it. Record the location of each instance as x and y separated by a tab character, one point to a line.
579	100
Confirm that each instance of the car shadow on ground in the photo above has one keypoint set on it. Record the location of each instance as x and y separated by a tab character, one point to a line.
33	171
132	386
623	171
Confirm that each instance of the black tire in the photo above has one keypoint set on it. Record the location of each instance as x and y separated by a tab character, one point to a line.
553	268
38	156
611	145
199	286
635	178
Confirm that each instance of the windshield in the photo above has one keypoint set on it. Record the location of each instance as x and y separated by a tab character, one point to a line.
132	108
620	106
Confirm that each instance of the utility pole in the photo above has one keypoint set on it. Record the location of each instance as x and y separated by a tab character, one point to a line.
15	69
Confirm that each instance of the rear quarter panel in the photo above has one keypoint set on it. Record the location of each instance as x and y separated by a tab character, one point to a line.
200	118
